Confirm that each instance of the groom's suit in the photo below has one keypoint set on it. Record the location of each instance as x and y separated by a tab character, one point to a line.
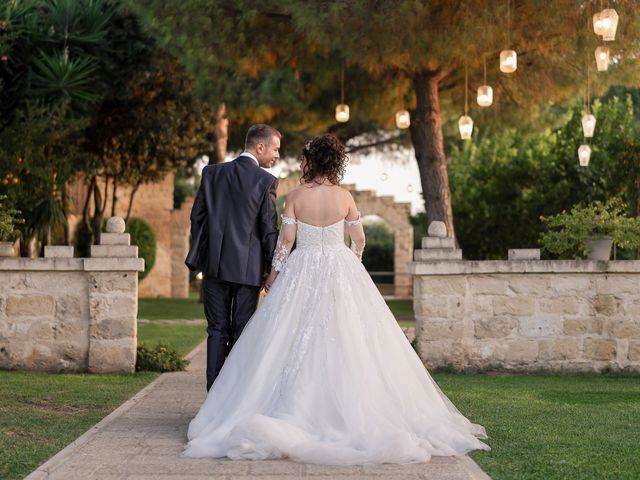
233	236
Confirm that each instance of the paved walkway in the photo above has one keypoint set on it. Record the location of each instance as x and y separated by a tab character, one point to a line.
143	439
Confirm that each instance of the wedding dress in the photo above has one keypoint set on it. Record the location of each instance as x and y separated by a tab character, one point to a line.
322	373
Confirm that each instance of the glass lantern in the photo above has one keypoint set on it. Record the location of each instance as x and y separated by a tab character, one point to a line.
508	61
584	153
403	120
465	124
588	125
342	113
485	96
605	23
602	58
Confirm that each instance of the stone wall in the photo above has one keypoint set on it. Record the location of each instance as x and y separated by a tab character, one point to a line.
153	202
526	315
61	313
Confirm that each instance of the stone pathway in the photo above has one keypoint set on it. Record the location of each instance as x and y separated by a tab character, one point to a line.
144	437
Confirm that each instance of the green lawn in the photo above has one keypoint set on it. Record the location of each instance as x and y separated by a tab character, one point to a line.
553	427
182	338
170	308
190	309
41	413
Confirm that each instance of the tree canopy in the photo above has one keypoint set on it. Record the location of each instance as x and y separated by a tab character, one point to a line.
280	61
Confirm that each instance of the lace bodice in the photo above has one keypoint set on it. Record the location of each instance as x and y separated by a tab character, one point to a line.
313	237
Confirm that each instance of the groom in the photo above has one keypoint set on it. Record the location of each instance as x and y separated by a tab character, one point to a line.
233	234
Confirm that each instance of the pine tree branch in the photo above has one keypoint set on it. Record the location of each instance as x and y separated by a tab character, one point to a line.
387	141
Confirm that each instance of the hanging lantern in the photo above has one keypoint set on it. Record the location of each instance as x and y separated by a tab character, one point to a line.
465	124
342	109
508	61
584	153
485	92
402	119
409	188
588	125
602	58
342	113
605	23
485	96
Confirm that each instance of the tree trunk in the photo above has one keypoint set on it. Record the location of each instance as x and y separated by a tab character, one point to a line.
98	211
428	143
114	197
133	193
222	135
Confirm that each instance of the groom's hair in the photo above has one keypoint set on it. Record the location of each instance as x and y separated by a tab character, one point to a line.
260	133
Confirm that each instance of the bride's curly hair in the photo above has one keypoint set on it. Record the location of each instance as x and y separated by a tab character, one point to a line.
326	159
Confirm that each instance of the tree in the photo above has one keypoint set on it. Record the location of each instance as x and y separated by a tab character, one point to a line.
503	182
280	60
151	127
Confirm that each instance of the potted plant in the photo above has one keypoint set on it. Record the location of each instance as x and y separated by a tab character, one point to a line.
8	222
590	231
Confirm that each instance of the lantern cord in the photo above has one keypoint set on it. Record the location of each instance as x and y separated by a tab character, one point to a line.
509	23
588	88
466	87
484	58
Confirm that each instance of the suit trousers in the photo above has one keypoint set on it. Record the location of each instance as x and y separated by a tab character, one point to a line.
228	307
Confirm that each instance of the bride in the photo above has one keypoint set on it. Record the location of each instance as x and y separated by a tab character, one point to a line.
322	372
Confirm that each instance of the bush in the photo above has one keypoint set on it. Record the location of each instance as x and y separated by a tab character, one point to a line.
8	220
378	252
569	232
159	359
144	237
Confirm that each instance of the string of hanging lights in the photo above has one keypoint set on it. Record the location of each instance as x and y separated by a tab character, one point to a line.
465	124
605	24
342	109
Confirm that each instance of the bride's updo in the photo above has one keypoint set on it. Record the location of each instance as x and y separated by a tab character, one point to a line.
325	160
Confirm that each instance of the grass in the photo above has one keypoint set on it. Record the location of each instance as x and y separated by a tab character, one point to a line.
170	308
41	413
190	309
182	338
553	427
401	307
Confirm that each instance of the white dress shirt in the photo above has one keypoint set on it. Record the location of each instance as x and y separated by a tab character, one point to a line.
251	156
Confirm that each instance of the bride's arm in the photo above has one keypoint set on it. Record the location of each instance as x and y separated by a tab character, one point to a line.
286	238
355	229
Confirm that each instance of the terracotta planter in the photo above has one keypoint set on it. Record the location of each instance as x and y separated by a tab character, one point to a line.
600	248
7	250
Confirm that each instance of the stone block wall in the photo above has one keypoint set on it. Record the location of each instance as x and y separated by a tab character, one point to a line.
65	314
527	315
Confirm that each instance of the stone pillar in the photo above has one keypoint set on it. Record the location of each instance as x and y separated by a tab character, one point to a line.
180	225
112	275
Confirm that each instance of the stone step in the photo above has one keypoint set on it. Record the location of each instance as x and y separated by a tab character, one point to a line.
115	239
438	242
114	251
58	251
524	254
437	254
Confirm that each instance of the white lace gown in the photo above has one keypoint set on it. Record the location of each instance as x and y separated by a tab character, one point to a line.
322	373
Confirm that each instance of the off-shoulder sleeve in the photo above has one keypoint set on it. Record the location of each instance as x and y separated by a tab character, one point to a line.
285	241
356	232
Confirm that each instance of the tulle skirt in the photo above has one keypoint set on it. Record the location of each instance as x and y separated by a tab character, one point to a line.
323	374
